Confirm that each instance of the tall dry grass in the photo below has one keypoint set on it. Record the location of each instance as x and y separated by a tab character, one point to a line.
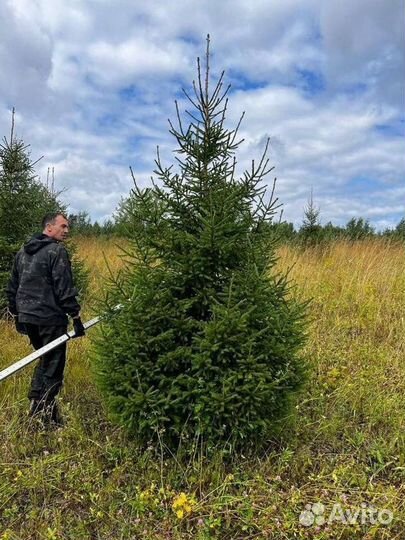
356	340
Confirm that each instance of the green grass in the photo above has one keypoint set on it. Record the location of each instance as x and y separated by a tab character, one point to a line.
344	445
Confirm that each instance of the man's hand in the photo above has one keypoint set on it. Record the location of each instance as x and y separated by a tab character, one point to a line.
78	327
20	327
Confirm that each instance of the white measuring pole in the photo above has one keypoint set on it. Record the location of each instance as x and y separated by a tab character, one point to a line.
39	352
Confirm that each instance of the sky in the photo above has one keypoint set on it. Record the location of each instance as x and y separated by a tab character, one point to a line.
93	83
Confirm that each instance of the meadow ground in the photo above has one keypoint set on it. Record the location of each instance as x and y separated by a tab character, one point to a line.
343	451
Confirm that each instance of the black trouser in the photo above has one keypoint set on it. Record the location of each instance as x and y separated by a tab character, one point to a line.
48	375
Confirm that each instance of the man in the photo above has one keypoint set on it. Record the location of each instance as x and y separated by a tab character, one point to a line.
41	294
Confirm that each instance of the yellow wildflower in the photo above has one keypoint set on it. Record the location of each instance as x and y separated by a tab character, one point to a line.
180	500
183	505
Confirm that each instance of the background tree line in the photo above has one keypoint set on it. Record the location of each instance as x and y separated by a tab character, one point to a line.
310	232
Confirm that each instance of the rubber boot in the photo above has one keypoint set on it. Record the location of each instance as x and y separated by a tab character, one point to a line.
36	414
54	418
36	408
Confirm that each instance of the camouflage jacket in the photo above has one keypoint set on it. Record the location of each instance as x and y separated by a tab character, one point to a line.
40	290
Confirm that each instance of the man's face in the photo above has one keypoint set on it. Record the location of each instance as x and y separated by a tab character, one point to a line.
58	230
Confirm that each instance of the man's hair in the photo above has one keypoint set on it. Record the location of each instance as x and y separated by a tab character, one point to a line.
49	219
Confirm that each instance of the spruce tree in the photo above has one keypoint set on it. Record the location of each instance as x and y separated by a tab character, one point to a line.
24	200
206	346
400	230
358	229
311	229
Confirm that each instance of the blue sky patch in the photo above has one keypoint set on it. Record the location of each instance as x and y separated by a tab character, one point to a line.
312	82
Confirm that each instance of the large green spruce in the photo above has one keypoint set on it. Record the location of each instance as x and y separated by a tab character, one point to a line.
207	345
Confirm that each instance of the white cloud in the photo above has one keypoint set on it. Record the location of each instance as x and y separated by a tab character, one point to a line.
94	84
121	64
25	59
364	43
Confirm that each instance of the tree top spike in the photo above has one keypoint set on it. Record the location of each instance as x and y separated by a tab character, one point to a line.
12	125
207	67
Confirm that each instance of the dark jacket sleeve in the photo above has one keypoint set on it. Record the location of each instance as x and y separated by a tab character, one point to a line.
12	287
62	279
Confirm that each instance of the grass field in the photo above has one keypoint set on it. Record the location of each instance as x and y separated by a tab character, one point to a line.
344	451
